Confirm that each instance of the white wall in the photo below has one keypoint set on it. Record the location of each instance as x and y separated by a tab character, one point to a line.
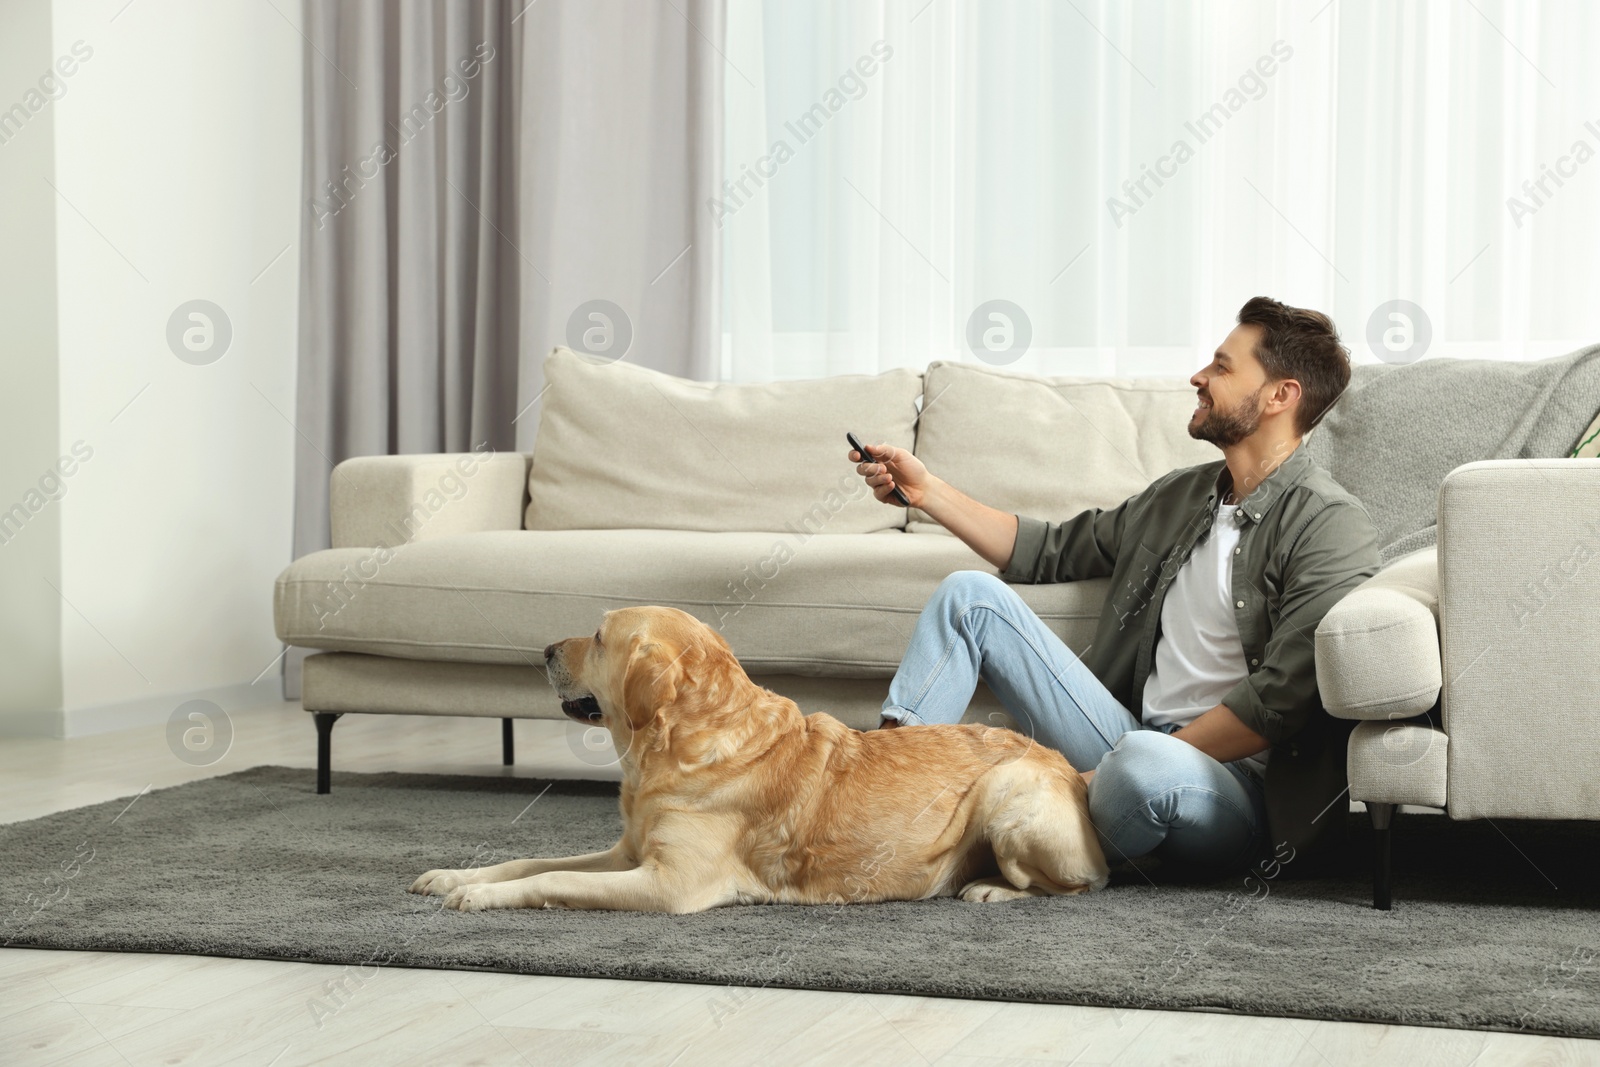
178	147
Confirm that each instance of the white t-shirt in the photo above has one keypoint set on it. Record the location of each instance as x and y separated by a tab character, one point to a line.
1199	656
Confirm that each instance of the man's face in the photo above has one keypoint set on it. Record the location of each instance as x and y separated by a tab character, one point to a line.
1229	388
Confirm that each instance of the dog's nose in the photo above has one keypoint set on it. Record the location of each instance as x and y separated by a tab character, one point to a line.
549	651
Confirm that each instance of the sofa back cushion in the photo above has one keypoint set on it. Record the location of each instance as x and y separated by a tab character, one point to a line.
1051	447
621	446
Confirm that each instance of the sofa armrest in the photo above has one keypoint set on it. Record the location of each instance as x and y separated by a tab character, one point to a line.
1378	647
1519	616
395	500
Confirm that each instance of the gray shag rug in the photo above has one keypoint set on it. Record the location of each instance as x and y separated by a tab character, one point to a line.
1495	925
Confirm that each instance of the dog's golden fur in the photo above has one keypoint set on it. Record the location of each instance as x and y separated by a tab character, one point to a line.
731	796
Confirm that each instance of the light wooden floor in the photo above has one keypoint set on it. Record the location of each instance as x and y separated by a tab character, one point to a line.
109	1008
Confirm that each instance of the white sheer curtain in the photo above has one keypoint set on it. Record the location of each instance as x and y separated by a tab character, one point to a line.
1127	175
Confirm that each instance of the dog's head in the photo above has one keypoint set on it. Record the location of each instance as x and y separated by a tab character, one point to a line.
647	671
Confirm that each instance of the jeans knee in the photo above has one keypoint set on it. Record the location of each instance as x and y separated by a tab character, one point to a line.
1134	766
962	586
1137	750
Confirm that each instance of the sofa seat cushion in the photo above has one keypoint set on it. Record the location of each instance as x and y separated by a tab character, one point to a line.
833	605
1051	447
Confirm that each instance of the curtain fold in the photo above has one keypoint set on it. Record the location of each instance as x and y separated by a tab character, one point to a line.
408	290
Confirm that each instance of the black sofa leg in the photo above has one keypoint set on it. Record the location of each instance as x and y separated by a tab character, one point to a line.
1382	816
325	721
508	748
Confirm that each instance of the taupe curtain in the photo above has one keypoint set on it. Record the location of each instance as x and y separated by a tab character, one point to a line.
408	290
474	173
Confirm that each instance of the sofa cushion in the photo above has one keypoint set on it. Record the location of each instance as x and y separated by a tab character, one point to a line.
622	446
1051	447
838	605
1377	649
1398	763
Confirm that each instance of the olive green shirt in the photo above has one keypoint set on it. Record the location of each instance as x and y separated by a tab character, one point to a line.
1304	543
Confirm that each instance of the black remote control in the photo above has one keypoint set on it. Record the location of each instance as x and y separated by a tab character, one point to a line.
867	457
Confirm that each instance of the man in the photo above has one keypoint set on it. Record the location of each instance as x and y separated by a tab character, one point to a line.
1221	573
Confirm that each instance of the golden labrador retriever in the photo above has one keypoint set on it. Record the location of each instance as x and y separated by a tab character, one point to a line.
731	796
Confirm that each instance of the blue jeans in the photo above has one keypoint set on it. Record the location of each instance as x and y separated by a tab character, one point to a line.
1151	793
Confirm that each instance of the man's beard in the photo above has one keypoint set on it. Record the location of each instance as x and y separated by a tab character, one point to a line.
1224	429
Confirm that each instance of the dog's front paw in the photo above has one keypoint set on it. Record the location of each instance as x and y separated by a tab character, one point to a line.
475	898
438	883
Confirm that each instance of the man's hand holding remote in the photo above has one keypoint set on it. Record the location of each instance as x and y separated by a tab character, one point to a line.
989	532
889	467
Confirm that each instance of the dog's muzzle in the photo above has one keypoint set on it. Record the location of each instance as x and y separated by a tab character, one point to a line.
584	709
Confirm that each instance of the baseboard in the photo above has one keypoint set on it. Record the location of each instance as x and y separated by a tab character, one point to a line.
40	723
145	711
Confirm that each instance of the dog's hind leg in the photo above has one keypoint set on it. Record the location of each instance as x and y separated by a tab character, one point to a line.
1036	820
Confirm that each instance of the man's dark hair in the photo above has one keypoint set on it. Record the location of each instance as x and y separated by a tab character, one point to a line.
1301	344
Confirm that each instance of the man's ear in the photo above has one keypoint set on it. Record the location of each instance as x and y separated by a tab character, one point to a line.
1285	394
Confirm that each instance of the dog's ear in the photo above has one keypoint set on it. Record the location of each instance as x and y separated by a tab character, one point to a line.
651	681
